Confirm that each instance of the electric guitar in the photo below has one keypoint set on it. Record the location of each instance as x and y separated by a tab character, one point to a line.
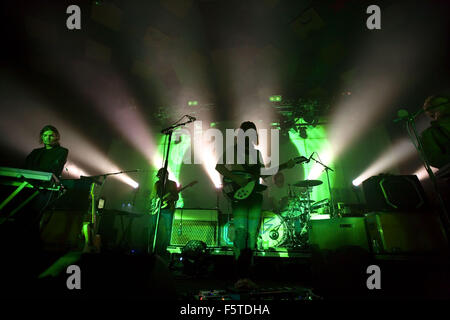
236	192
164	200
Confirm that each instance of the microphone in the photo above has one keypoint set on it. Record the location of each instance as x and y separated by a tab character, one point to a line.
191	118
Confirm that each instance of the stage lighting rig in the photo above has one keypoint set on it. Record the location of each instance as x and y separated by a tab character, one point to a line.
304	111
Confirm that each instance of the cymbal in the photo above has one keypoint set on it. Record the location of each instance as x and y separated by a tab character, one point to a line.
308	183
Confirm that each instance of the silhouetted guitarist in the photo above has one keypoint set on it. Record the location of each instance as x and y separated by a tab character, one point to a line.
169	200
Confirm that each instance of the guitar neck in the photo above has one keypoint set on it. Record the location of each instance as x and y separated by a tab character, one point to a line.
284	166
187	186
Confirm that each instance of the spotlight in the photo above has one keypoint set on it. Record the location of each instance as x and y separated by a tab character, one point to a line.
394	155
357	182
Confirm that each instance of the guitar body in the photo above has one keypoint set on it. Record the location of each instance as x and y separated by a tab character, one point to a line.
155	205
235	192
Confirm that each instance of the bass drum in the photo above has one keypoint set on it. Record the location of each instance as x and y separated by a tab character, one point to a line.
273	231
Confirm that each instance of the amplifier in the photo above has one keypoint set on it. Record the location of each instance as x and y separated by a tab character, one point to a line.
195	224
394	193
332	234
395	232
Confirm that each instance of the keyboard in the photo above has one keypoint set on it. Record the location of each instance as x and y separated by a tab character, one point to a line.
15	177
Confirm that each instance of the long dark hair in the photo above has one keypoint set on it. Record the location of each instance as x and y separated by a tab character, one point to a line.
46	128
246	125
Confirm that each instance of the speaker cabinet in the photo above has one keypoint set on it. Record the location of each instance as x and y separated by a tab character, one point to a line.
62	230
395	232
195	224
394	193
332	234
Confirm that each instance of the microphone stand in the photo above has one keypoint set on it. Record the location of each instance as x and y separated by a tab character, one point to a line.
167	131
94	179
326	168
112	173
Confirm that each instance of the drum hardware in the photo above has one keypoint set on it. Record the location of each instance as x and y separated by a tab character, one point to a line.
299	212
320	204
288	227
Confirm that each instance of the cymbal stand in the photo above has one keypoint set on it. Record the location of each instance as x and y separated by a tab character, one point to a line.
326	168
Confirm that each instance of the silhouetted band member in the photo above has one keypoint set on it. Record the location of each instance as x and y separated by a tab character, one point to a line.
247	212
50	158
167	210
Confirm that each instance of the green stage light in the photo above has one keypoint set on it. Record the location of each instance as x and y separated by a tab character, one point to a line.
192	103
275	99
177	153
317	141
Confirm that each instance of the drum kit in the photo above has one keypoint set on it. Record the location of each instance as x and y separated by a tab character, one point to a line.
288	226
